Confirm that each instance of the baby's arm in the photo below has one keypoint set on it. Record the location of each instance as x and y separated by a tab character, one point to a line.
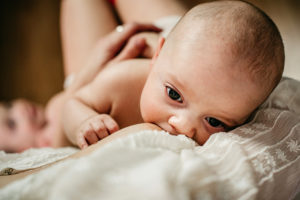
85	115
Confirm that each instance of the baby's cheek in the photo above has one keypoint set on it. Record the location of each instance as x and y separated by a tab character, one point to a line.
202	137
146	111
149	111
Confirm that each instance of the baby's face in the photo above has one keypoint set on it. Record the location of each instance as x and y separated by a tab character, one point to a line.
198	94
21	123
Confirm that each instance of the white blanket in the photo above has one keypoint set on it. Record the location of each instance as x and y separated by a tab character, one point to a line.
12	163
260	160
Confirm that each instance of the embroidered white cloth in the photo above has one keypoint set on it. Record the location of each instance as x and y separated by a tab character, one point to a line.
11	163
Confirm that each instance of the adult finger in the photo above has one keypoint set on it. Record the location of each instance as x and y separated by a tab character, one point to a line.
116	40
119	38
133	49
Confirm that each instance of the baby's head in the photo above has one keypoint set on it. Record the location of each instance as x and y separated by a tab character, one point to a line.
220	62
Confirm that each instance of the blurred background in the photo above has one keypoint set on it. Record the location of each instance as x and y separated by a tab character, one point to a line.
31	59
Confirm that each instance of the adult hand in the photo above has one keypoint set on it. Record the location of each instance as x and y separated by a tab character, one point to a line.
115	47
111	46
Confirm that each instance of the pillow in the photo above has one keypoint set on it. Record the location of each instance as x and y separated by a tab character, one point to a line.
272	141
272	144
286	96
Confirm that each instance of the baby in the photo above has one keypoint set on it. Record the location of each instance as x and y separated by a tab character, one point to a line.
219	63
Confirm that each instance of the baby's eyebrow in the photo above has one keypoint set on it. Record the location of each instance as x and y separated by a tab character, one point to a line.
176	80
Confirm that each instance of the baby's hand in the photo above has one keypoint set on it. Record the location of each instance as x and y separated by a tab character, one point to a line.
94	129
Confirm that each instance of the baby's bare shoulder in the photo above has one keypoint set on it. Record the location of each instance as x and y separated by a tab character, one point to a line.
125	74
125	82
112	81
116	81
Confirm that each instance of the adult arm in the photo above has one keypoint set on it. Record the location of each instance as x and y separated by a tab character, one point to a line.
84	27
83	23
110	49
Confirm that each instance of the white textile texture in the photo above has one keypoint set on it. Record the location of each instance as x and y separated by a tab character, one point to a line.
12	163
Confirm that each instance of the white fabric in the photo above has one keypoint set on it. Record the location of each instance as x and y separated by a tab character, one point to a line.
11	163
260	160
285	96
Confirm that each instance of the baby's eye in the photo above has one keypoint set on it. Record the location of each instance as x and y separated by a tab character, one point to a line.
173	94
214	122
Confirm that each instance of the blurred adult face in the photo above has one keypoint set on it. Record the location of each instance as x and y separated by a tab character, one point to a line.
21	123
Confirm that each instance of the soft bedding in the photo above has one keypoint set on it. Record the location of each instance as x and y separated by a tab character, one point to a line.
14	163
259	160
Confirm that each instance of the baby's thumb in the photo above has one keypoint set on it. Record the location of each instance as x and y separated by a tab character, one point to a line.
133	49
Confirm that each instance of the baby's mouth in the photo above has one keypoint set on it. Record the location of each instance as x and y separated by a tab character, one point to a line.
166	128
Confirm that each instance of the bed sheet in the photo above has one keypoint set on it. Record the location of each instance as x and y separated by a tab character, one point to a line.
13	163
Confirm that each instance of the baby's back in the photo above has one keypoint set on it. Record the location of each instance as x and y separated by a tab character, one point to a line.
122	84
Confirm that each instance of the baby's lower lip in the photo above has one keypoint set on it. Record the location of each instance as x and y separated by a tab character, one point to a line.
158	125
162	127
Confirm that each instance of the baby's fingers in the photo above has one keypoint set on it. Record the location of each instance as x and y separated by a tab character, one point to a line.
111	125
133	49
91	136
81	142
99	128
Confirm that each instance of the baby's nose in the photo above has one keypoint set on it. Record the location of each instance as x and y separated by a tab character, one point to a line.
183	125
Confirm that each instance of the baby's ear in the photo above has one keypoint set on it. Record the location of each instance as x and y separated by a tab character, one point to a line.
159	46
